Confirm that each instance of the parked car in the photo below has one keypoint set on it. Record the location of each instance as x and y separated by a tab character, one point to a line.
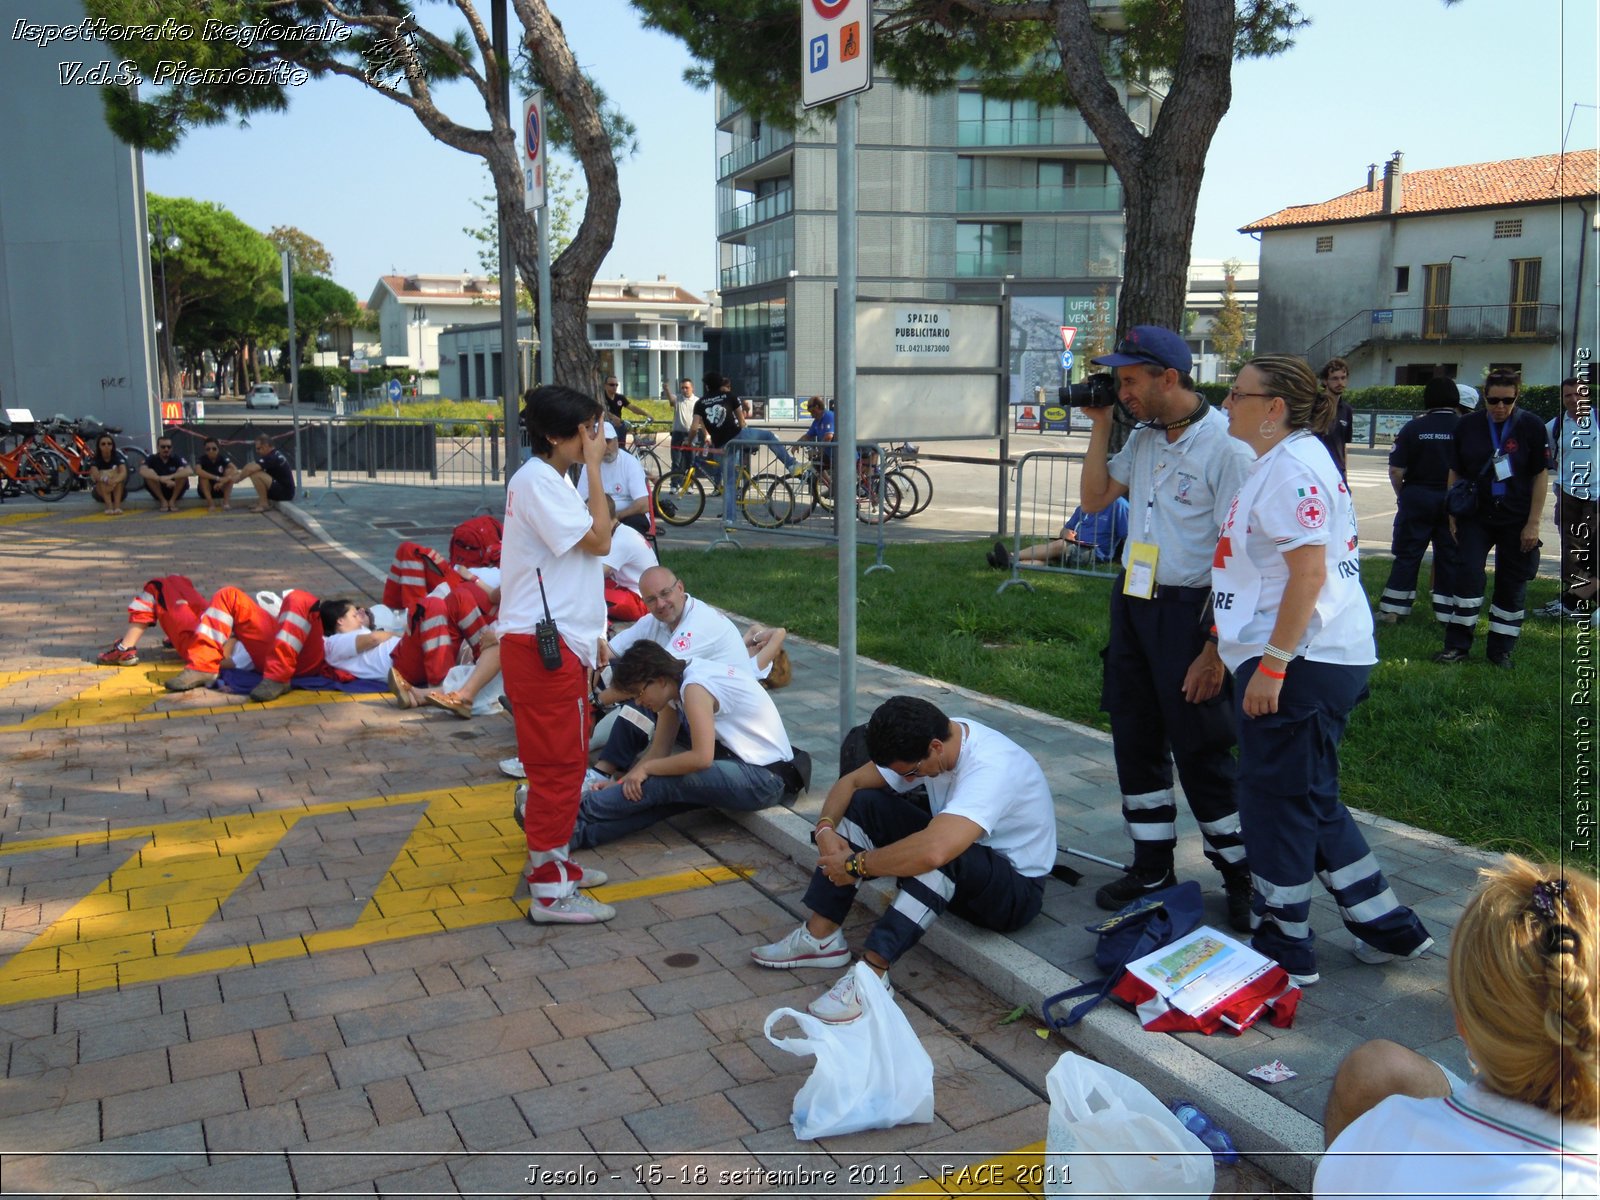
263	395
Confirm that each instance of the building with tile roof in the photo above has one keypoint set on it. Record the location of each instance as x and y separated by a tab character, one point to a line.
1453	269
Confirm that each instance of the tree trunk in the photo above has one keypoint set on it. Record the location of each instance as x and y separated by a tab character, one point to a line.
1160	173
572	274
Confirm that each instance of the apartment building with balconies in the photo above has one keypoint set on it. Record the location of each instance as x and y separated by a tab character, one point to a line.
959	197
1460	269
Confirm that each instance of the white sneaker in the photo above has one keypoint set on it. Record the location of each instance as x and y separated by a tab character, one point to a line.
1371	955
840	1004
592	877
576	909
513	767
800	949
1305	981
596	779
519	802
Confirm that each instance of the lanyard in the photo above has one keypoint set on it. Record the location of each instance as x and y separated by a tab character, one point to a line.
1498	436
1156	480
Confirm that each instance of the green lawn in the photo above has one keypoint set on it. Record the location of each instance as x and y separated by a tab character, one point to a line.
1467	751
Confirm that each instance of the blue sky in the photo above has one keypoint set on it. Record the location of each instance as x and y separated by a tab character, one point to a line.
1484	80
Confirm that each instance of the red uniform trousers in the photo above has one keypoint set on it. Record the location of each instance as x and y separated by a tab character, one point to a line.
174	603
551	712
417	571
437	627
230	614
297	642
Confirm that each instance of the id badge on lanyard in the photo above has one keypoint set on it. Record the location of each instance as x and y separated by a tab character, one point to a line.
1140	580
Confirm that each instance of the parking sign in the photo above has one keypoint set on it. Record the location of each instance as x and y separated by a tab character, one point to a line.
836	44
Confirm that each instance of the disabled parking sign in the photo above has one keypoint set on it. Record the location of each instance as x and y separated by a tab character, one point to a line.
836	41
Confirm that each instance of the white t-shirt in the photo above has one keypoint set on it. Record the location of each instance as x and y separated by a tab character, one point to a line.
623	480
1178	492
340	651
1529	1152
1292	497
702	632
545	519
683	412
747	720
630	556
488	577
995	784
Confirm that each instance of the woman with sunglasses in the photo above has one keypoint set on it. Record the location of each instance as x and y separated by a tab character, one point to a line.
551	575
108	473
1293	625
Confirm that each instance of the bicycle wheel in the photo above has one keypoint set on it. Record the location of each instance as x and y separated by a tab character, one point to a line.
924	486
908	494
680	498
135	457
650	461
47	474
877	500
767	500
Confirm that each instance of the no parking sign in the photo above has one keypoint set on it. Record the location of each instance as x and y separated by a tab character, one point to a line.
533	158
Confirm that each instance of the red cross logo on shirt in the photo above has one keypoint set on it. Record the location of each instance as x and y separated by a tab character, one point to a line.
1311	513
1224	551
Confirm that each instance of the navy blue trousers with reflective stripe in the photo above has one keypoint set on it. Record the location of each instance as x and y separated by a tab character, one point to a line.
1297	831
1152	644
979	884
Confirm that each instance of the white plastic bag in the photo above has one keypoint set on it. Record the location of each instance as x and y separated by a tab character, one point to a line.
270	602
389	620
488	697
871	1074
1109	1136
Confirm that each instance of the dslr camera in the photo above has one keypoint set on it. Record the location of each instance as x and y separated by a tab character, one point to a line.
1097	391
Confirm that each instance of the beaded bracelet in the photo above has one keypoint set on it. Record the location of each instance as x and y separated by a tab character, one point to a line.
1271	651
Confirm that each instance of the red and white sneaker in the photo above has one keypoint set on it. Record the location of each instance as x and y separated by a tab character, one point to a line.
118	655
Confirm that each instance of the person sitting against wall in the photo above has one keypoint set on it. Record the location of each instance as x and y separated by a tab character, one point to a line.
270	474
108	473
1086	539
166	475
1523	984
215	475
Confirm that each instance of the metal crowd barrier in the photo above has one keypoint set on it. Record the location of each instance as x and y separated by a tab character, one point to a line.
1045	487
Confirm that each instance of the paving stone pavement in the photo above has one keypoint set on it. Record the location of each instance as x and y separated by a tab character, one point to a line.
273	948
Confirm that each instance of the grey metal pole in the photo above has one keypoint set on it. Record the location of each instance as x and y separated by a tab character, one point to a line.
294	369
510	359
1004	400
547	365
844	326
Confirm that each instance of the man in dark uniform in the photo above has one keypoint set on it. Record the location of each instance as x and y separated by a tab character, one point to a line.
1503	452
166	474
1419	470
270	474
1335	377
1165	688
615	402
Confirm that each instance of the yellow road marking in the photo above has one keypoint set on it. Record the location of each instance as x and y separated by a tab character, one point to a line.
126	694
7	678
18	518
173	878
102	518
1023	1172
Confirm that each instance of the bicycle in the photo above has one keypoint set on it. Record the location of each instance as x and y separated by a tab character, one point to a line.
29	468
899	459
765	500
646	437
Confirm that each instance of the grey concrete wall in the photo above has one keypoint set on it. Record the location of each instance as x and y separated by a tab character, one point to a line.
77	325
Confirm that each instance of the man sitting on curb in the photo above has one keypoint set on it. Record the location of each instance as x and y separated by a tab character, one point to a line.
270	474
982	853
166	474
739	758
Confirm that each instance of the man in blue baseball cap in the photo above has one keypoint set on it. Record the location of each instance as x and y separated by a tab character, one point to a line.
1164	687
